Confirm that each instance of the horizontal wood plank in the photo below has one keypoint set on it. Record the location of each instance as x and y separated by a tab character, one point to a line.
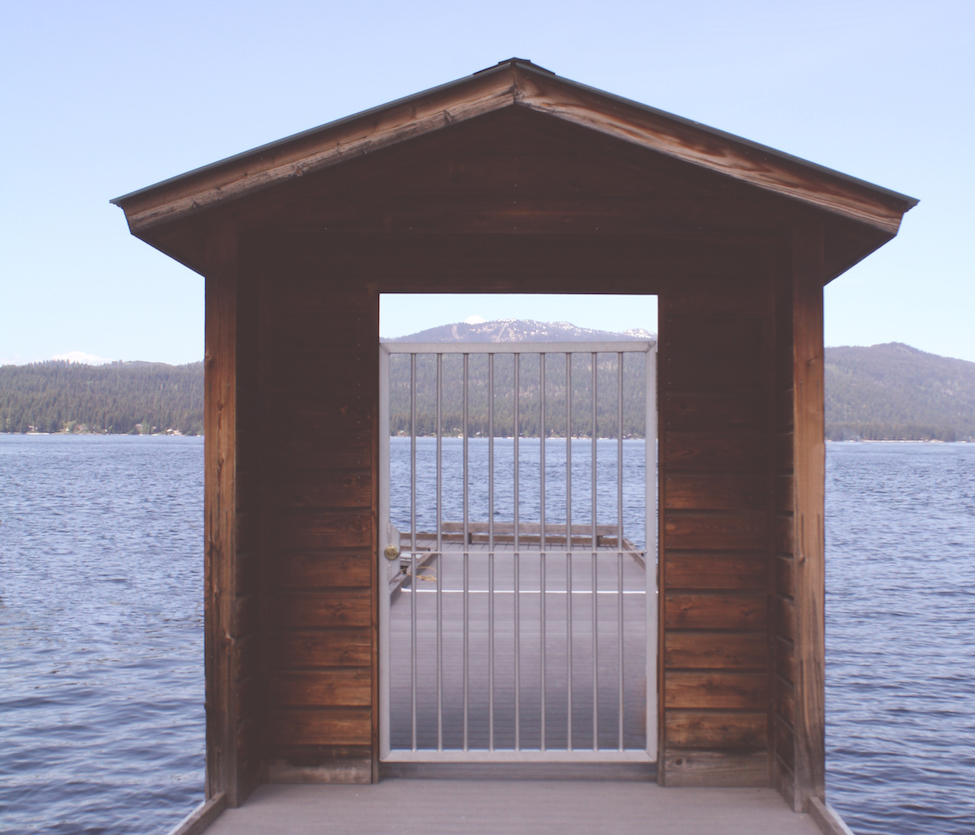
707	413
784	614
321	488
320	726
247	615
318	530
302	571
718	531
785	743
714	453
322	609
690	570
684	491
714	354
784	541
714	729
694	767
785	659
291	650
784	576
784	494
688	610
348	687
715	650
715	690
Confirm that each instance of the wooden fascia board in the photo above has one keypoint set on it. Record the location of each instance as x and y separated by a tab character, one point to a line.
320	149
515	85
743	161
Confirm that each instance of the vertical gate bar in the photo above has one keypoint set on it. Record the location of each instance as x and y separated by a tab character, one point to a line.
440	552
491	552
541	537
466	561
517	566
595	581
652	546
619	536
413	641
384	542
568	542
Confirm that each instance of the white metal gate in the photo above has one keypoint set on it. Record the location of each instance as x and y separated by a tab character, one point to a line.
533	636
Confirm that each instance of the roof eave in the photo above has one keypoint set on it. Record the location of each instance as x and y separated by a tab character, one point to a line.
515	83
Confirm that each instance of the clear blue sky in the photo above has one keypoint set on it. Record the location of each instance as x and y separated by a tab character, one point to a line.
99	99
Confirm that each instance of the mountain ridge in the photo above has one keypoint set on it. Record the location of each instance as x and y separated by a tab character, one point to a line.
889	391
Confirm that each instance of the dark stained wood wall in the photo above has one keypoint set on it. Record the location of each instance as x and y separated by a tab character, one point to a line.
319	357
716	458
319	372
304	679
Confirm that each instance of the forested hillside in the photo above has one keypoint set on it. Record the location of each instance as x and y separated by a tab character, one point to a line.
120	398
895	392
884	392
529	390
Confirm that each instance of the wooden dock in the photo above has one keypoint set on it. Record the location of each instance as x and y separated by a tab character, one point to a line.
493	807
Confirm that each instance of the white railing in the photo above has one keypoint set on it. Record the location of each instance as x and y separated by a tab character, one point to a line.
539	541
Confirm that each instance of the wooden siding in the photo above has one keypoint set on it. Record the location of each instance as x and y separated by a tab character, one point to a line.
716	476
304	377
319	383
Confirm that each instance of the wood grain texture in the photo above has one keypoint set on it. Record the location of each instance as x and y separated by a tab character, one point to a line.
693	767
784	580
784	612
687	610
716	690
785	658
715	729
714	354
332	488
715	570
712	413
302	649
701	452
319	530
323	609
783	540
784	494
685	491
715	650
320	726
718	531
810	477
303	571
348	687
220	502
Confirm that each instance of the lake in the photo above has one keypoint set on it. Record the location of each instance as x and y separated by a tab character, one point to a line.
101	630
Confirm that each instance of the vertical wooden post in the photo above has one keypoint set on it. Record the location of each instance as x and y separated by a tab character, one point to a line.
219	507
809	497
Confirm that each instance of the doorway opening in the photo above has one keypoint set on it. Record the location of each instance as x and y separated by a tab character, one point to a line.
518	590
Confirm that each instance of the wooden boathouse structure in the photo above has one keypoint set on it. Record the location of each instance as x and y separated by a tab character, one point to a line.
513	180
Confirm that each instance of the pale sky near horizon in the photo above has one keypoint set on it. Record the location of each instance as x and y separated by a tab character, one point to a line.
101	99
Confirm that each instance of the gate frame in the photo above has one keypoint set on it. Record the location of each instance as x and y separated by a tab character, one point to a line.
654	650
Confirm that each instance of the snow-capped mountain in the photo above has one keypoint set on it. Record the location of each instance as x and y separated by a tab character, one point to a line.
521	330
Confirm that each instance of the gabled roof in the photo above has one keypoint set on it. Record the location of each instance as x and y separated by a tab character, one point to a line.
515	83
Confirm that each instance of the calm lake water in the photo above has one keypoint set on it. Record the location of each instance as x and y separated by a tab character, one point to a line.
101	644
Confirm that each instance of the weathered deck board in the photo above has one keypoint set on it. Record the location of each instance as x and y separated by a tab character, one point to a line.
539	807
